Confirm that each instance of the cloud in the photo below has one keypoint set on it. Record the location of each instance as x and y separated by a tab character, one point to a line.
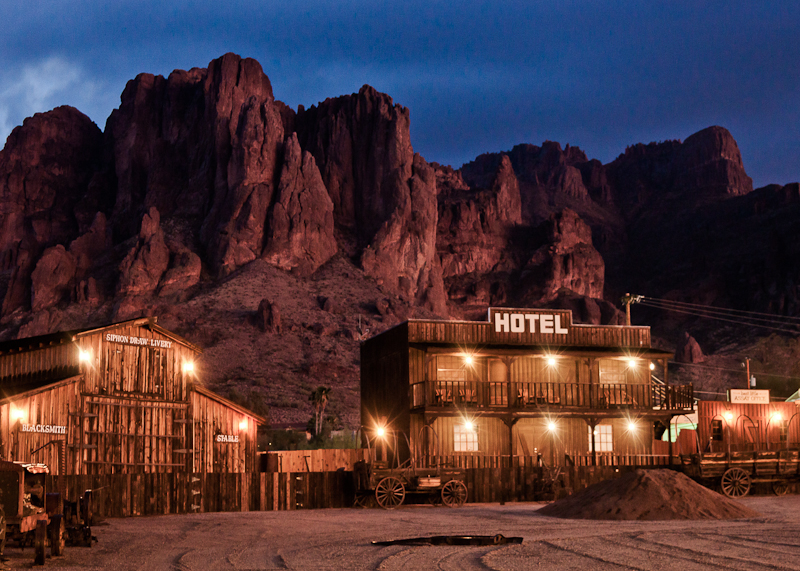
43	85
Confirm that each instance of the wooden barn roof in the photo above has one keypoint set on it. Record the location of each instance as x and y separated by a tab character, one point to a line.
229	403
63	337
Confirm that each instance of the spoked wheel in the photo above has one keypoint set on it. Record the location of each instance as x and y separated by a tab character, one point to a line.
57	535
780	488
454	494
390	493
735	483
40	542
363	499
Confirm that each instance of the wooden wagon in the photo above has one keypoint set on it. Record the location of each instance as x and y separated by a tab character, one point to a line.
389	487
736	472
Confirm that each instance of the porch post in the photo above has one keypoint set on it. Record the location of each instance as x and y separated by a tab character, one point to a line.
592	425
669	439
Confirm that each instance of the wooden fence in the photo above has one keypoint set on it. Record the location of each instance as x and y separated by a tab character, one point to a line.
312	460
124	495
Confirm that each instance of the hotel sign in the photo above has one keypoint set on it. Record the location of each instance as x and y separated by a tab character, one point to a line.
748	396
527	321
141	341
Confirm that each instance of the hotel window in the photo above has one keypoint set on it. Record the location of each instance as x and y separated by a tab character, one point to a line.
465	439
603	438
783	431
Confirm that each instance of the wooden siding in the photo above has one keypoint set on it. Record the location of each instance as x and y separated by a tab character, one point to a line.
479	333
135	370
57	406
129	408
211	419
739	433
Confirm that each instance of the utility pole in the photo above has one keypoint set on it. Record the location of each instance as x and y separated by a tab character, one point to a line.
627	300
747	366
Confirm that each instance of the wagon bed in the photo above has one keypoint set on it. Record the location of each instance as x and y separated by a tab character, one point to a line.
390	486
735	472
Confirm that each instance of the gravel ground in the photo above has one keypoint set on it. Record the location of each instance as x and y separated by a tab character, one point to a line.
341	539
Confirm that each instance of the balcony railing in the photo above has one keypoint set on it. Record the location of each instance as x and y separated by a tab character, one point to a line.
532	395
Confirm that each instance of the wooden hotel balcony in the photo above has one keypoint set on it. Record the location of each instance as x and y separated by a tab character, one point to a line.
567	397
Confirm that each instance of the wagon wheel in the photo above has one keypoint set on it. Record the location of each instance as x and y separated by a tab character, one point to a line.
735	483
40	542
363	499
780	488
454	494
390	493
57	535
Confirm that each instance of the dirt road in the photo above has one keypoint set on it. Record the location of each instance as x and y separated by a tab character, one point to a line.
341	539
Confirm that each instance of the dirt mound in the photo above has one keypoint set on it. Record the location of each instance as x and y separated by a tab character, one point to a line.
648	495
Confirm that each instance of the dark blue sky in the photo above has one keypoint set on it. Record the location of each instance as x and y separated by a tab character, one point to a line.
477	76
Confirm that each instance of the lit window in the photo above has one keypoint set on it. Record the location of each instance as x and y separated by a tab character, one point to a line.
603	439
464	439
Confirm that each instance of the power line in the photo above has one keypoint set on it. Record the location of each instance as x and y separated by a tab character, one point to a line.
739	371
717	309
709	316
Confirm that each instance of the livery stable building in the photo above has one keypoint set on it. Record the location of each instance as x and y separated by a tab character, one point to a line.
526	383
118	399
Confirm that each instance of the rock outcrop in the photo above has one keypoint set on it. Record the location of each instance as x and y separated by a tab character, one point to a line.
566	261
45	170
202	145
300	231
688	350
147	260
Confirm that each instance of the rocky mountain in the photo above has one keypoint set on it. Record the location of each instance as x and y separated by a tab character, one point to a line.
277	239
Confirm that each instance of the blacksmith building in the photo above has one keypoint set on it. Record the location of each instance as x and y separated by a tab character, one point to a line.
118	399
526	383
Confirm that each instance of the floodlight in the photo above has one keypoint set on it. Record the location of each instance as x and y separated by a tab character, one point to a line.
188	367
551	361
551	426
243	424
84	356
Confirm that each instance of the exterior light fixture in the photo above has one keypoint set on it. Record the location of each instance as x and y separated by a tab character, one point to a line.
551	426
188	367
468	360
551	361
631	426
84	356
777	417
728	416
17	414
243	424
469	426
652	366
632	363
381	432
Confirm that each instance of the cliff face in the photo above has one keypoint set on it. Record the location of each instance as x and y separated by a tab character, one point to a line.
201	176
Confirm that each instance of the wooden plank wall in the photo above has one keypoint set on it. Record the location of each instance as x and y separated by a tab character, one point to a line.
212	418
733	432
54	407
314	460
59	359
126	495
471	333
134	370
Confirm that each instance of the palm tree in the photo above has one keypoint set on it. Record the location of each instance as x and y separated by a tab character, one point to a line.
319	397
